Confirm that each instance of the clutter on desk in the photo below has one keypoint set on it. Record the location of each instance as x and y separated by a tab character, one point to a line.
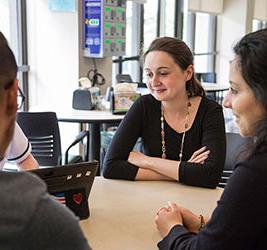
123	96
125	88
109	93
102	103
86	96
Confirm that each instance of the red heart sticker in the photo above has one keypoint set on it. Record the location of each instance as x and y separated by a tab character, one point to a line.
77	198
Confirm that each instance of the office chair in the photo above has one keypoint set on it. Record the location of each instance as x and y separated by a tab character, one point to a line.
216	95
235	146
123	78
42	131
198	76
208	77
120	78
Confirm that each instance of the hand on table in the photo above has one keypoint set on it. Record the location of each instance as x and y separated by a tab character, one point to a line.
190	220
167	217
170	215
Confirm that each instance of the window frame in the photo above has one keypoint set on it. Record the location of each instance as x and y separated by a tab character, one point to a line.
211	47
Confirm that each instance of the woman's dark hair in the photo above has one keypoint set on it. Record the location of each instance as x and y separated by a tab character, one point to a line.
8	65
182	56
251	52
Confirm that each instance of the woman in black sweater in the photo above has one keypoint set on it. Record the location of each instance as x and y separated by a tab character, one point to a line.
240	218
182	132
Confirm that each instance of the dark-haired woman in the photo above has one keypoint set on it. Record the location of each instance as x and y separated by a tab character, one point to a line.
182	132
239	220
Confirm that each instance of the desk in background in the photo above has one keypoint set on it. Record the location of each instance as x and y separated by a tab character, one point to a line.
123	212
208	87
94	118
215	91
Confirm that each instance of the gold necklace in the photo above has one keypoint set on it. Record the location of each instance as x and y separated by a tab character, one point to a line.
186	125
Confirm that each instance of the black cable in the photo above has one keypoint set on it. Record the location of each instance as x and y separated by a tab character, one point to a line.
96	78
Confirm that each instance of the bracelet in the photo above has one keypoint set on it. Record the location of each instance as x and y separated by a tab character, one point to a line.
202	222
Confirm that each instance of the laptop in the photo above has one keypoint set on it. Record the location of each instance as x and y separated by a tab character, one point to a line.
70	184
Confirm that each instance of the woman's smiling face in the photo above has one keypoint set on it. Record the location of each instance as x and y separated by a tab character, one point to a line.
241	99
164	78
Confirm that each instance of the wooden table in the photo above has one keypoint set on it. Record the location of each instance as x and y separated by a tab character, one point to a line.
123	212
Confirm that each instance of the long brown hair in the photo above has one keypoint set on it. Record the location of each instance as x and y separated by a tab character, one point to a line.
182	56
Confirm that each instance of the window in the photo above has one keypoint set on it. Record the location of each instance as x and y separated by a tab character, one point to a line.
8	24
145	22
150	22
5	18
168	20
129	64
201	37
258	25
12	14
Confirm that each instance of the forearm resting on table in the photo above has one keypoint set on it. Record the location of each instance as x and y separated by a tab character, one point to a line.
147	174
168	168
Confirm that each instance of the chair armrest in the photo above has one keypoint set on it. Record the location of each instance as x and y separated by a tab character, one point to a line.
77	139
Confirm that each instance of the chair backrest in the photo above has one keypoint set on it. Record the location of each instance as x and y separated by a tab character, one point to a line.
235	146
123	78
208	77
216	95
42	130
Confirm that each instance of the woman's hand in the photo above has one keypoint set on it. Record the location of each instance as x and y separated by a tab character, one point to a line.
190	220
167	217
138	159
199	156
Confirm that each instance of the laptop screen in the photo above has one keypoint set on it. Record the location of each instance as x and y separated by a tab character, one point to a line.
70	184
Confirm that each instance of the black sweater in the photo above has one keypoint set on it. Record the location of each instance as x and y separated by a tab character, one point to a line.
239	221
143	120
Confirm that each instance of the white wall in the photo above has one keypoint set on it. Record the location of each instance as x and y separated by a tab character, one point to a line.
55	57
54	60
233	24
53	54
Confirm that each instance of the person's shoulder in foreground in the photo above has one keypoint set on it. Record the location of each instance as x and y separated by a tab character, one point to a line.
32	219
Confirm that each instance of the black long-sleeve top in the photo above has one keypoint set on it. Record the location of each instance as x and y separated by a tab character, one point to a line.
239	221
143	120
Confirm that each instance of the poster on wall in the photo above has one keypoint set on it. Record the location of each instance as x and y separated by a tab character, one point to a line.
93	41
62	5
